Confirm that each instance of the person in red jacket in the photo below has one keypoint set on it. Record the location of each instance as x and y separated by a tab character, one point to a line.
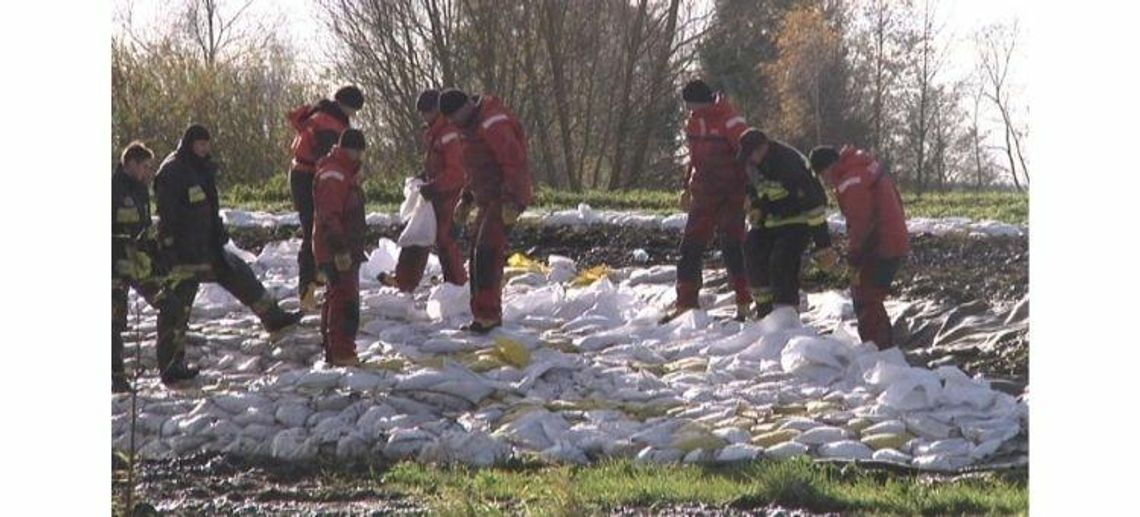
338	244
877	240
318	127
498	189
443	174
714	195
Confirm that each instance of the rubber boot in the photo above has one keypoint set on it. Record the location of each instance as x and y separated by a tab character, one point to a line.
178	371
481	326
274	319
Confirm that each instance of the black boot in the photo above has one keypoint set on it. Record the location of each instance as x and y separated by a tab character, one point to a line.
178	371
481	327
276	320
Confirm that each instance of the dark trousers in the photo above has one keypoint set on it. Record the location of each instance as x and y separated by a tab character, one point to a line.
301	187
488	257
773	258
340	314
869	288
230	272
722	212
413	259
120	311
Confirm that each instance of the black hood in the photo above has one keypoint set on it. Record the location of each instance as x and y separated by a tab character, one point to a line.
185	150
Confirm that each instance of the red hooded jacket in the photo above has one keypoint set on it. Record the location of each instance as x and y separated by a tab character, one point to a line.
338	208
318	128
443	164
713	136
495	155
876	224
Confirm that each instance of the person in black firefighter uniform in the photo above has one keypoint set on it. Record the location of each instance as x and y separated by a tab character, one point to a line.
132	247
192	239
787	209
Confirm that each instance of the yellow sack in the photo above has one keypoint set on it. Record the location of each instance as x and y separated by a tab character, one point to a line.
520	261
774	437
887	440
695	436
590	275
511	352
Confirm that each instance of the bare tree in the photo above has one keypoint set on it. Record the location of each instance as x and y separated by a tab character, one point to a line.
929	57
213	30
996	49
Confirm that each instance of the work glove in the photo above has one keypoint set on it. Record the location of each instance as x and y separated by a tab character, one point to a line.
510	213
826	259
755	215
685	201
343	262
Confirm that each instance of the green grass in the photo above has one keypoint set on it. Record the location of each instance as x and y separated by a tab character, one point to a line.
386	195
795	484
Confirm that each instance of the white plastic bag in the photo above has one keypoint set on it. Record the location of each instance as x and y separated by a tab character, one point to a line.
420	217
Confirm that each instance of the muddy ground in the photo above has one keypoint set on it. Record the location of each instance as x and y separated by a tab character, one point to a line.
976	274
951	269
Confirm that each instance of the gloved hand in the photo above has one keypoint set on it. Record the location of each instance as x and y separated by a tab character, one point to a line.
685	201
510	213
462	212
343	261
755	215
826	259
143	269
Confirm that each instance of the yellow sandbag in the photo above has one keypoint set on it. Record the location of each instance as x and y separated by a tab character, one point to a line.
857	425
774	437
520	261
590	275
688	364
887	440
695	436
511	352
765	427
817	407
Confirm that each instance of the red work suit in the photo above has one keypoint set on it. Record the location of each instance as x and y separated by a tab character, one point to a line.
339	229
877	240
317	129
716	185
495	159
443	169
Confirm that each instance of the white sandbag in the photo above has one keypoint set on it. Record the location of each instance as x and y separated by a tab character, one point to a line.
950	447
985	449
564	452
885	427
819	359
892	456
940	462
821	435
786	450
406	442
536	430
738	452
421	225
411	197
381	260
447	300
905	388
845	450
293	445
476	449
958	388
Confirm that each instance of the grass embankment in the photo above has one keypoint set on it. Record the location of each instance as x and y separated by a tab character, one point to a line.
794	484
385	196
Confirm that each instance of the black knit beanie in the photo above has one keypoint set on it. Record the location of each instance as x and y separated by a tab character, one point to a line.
428	101
822	157
451	100
350	96
352	139
697	91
